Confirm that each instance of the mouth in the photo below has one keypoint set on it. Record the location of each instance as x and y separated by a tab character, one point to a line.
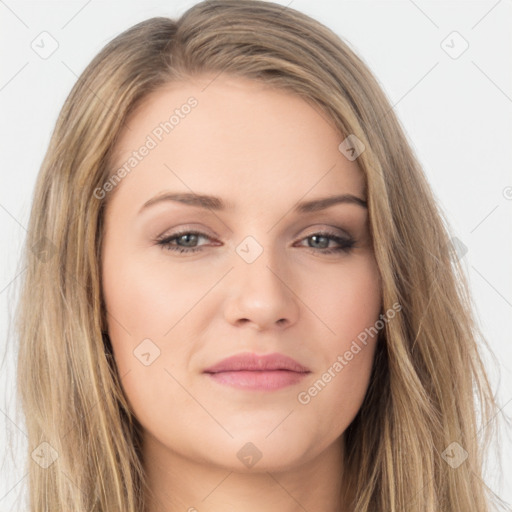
258	380
259	373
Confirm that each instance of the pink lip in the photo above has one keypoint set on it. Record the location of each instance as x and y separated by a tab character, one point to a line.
250	371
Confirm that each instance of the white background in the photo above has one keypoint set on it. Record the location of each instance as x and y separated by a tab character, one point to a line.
456	112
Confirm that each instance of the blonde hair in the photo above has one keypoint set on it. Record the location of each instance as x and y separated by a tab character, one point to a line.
428	386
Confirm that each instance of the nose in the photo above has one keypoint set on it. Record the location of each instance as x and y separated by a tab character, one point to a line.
262	295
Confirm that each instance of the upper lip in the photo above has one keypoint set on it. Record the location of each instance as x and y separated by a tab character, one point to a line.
254	362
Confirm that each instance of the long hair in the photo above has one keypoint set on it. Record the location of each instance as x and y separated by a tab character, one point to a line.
428	392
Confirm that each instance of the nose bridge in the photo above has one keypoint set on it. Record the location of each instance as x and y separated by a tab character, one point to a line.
260	262
263	294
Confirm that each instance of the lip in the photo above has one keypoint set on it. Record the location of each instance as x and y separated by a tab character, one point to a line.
253	372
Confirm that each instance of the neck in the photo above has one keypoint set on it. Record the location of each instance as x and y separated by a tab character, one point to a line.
181	484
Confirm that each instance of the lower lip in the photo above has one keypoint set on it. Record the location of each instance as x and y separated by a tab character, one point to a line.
259	380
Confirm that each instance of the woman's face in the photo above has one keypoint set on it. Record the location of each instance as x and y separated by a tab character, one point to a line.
261	277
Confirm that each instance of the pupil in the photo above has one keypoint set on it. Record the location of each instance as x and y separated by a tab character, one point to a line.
316	237
188	236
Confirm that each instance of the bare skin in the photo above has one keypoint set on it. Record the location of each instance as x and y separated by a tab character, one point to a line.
261	151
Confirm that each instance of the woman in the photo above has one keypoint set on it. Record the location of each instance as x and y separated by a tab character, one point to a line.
258	370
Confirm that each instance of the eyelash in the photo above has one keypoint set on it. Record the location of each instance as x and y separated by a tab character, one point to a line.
347	244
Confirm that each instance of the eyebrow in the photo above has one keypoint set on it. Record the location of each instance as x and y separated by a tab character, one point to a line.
216	203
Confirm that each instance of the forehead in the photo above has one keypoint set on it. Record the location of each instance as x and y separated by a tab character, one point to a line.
210	135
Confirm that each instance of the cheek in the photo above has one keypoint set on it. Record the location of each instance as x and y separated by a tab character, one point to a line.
336	394
141	307
347	300
147	300
350	311
147	305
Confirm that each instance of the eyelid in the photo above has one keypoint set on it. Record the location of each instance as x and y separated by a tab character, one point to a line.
324	227
187	228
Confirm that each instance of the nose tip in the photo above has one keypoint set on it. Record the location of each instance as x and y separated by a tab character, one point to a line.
262	298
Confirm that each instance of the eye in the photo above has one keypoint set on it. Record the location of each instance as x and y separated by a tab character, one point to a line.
187	237
322	239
